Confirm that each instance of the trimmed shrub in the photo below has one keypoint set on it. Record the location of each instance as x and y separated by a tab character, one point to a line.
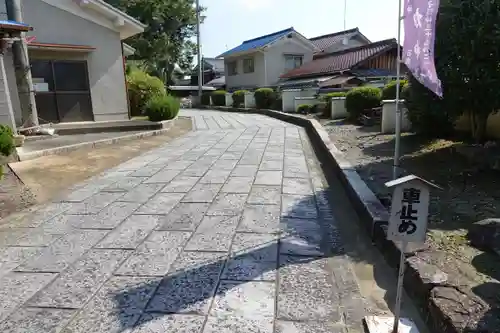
360	99
141	88
6	140
389	90
304	108
426	112
264	98
219	97
205	98
162	107
239	98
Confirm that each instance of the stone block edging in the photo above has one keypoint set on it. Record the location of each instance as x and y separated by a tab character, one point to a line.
425	282
24	156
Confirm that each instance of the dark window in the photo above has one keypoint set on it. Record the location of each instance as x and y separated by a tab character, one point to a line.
71	76
41	71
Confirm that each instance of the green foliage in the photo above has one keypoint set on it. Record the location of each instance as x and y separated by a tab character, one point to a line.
389	90
278	104
426	113
167	39
205	98
360	99
162	107
219	97
141	88
6	140
264	98
466	56
239	98
304	108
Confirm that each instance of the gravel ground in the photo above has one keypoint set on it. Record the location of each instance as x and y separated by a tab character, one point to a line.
469	193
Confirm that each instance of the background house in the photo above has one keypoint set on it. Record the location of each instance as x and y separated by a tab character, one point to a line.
213	68
259	62
76	55
341	40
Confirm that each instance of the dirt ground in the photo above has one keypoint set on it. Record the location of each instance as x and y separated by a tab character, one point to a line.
36	181
469	193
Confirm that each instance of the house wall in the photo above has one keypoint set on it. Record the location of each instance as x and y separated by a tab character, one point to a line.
387	60
245	80
105	63
275	57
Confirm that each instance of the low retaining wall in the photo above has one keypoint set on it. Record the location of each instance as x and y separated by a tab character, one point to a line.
425	282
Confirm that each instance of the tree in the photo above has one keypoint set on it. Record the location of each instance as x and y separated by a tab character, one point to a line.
467	57
166	40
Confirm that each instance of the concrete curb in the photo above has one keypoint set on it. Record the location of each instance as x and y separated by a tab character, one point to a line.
24	156
375	217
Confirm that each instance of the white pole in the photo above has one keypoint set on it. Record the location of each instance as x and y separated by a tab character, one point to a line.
397	148
198	39
345	12
399	292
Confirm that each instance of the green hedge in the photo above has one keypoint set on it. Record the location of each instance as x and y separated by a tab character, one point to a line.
304	108
205	98
6	140
264	98
239	98
389	90
141	88
219	97
360	99
162	107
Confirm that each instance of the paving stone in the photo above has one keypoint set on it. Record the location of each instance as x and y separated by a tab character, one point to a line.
296	168
228	204
198	170
142	193
160	204
191	285
62	252
260	247
27	320
17	288
260	219
158	323
155	256
224	164
245	300
185	217
94	204
146	171
240	325
82	194
48	212
36	237
269	178
62	223
125	184
246	268
265	195
76	285
130	233
215	176
177	165
110	217
306	291
308	327
299	206
11	257
301	237
238	185
244	171
297	186
216	237
271	165
117	306
202	193
181	184
164	176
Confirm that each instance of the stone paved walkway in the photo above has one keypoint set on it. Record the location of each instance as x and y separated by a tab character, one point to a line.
227	229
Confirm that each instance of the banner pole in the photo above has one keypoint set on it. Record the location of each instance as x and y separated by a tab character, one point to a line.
399	118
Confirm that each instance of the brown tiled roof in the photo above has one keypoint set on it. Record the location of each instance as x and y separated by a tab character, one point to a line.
340	61
325	41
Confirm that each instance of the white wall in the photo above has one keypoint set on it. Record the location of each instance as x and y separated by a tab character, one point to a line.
275	57
246	80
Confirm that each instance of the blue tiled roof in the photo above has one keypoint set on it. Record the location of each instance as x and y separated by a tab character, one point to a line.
257	42
13	23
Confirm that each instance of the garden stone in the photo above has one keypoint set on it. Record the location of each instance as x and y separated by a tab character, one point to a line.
485	235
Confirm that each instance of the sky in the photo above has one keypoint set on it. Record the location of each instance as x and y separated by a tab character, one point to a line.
229	22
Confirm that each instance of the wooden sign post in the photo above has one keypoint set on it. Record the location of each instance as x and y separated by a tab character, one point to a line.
407	224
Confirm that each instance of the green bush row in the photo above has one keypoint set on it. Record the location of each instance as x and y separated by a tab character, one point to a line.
362	98
6	140
265	98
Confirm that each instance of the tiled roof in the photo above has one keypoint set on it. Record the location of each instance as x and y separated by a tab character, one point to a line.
340	61
325	41
14	25
257	42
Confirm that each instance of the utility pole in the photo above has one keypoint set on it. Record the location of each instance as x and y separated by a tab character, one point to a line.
22	67
198	39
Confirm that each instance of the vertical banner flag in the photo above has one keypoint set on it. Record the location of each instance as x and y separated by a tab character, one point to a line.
418	48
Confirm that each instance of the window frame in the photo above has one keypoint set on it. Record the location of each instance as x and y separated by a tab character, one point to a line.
251	69
230	65
294	58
